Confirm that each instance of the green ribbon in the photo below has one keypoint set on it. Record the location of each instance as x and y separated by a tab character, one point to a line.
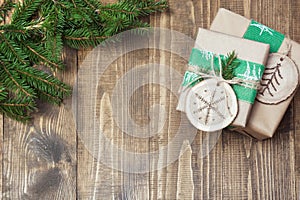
261	33
246	70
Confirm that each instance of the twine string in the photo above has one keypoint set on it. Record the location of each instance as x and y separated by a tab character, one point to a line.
252	84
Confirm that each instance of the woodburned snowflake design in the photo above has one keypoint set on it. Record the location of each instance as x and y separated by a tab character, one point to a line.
263	29
211	105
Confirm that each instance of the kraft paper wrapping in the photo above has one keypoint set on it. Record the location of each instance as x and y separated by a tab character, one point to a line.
219	43
264	119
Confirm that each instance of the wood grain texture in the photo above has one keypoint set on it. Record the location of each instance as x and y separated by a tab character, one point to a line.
185	183
47	160
297	142
295	34
39	159
99	179
262	172
164	182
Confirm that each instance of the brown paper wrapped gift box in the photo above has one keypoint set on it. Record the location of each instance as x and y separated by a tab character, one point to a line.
222	44
264	118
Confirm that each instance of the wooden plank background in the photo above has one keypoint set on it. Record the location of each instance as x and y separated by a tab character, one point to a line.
47	160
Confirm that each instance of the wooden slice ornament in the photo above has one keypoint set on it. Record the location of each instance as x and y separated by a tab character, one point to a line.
279	80
210	105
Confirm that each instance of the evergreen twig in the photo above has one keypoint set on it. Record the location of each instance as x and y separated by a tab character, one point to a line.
36	35
6	6
229	63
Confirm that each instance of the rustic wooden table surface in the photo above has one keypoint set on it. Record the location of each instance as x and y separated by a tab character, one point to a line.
48	160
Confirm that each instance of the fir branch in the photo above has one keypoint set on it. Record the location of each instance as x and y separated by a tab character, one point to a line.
18	109
3	93
11	29
12	80
121	7
136	7
229	63
148	7
41	57
49	98
18	33
38	31
92	4
44	82
5	7
24	11
11	50
84	37
53	38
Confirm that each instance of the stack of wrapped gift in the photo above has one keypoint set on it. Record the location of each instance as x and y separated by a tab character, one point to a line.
264	77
